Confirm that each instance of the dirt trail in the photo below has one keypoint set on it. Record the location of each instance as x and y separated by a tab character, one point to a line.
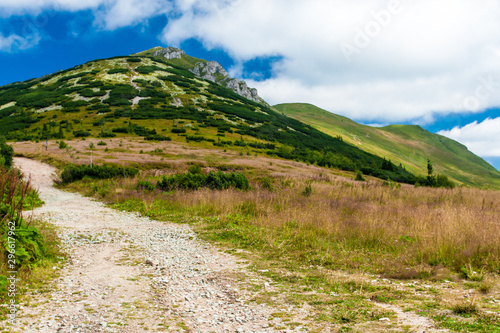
127	273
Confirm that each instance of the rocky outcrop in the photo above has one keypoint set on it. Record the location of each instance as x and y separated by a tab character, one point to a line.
169	53
241	88
213	71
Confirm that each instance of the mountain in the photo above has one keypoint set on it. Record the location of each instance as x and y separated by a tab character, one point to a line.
208	70
161	98
408	145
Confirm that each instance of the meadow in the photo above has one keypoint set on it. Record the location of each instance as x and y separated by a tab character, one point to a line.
321	234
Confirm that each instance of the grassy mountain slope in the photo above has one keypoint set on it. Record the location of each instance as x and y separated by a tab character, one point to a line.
406	144
155	99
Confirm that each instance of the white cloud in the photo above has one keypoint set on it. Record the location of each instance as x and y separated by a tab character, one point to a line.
15	7
13	42
428	56
482	138
121	13
109	14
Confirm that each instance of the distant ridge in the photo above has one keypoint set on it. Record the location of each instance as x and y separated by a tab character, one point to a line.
409	145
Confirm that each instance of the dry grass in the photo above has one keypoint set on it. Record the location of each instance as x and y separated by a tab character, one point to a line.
328	248
404	233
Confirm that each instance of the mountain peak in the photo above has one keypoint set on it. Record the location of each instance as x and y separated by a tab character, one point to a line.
169	52
208	70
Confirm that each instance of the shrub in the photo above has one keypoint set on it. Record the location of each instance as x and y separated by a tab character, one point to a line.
133	60
157	137
307	191
145	185
194	169
178	130
63	145
81	134
6	153
147	69
118	70
194	181
74	173
359	176
90	93
106	134
444	181
102	143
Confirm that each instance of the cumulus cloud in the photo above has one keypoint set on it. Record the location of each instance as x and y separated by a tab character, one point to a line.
109	14
410	58
121	13
13	42
481	138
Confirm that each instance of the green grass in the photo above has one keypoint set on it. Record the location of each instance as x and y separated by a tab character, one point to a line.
405	144
484	323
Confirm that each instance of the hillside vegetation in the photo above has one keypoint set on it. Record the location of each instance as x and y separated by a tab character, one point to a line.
406	144
159	101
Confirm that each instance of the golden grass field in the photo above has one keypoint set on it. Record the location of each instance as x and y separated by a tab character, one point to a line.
434	252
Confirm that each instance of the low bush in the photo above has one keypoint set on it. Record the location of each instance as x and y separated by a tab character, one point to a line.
78	172
106	134
196	168
118	71
359	176
6	153
81	134
194	181
178	130
157	137
133	60
145	185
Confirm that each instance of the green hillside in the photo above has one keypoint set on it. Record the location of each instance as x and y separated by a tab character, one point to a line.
159	100
406	144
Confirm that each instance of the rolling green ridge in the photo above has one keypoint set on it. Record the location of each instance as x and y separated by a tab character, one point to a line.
406	144
159	100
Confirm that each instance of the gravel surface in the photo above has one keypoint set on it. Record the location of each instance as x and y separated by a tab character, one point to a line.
127	273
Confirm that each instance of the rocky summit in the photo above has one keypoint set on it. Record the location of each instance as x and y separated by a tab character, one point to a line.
212	71
169	53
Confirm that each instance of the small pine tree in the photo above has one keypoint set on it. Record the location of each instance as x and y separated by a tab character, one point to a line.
431	180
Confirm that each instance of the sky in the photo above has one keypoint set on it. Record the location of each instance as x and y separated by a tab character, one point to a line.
434	63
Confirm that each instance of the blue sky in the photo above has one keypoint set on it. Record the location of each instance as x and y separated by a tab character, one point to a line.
435	63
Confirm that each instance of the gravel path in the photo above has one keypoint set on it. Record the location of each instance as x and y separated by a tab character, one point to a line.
127	273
